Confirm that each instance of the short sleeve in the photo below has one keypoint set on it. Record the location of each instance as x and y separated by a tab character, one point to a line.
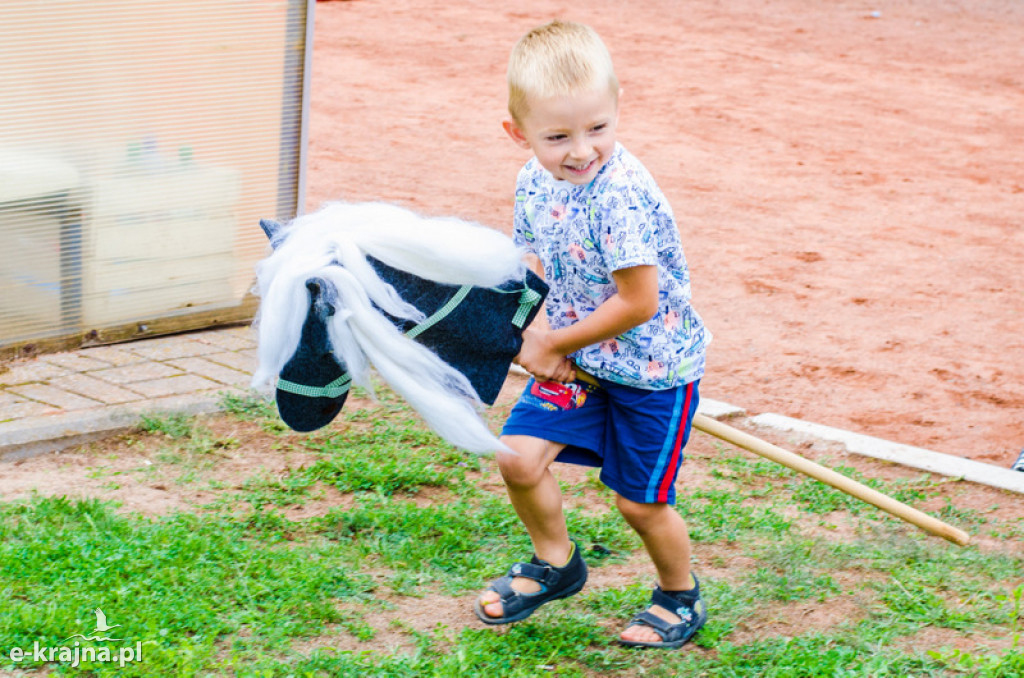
522	233
628	224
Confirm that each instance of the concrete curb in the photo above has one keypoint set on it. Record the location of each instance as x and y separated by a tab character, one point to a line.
716	409
41	435
915	457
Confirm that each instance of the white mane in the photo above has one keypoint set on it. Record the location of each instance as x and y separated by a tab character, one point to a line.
445	250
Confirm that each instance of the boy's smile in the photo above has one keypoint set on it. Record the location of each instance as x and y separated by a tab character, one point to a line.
573	136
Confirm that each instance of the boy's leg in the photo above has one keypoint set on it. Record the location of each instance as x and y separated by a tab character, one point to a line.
667	541
648	432
537	500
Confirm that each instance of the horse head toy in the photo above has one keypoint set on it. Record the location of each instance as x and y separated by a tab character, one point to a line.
435	305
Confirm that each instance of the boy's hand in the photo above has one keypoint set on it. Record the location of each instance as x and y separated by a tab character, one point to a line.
539	357
544	350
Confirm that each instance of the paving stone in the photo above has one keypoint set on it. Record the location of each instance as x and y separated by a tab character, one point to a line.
15	407
211	370
230	341
166	348
185	383
112	355
244	361
9	399
52	395
74	361
130	374
22	373
25	409
97	389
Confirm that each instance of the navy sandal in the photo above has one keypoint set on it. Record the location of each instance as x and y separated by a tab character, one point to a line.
555	583
690	610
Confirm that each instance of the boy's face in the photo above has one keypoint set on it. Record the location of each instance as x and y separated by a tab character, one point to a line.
572	135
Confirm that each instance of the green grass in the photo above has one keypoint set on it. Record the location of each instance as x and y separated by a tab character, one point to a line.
240	588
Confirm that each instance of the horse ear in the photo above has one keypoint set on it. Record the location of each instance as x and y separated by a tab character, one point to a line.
271	228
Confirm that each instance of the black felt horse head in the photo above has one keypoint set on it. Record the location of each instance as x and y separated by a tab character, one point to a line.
435	305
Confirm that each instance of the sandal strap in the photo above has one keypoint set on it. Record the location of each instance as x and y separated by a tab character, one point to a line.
503	587
681	608
512	601
673	605
663	628
545	575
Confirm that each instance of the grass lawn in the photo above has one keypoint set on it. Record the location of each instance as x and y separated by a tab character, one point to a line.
229	545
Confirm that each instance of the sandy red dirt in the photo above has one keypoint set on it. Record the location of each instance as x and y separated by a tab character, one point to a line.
848	178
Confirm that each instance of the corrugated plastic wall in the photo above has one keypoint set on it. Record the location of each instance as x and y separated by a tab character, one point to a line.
140	143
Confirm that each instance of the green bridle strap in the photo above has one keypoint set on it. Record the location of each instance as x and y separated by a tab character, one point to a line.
440	313
336	388
527	300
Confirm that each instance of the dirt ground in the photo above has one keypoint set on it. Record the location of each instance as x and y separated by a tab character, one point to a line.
848	178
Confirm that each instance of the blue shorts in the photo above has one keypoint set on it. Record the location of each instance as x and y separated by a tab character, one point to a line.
636	436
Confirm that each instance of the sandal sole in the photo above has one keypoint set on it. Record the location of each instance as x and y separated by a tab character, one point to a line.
526	612
665	644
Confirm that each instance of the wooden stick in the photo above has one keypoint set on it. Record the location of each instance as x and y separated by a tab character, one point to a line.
818	472
829	477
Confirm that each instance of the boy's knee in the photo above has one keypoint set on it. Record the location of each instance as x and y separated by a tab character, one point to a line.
640	516
526	467
519	472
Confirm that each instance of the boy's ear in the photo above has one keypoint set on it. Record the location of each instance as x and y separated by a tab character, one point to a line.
514	133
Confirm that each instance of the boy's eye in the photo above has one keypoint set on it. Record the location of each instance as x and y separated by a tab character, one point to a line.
556	137
599	128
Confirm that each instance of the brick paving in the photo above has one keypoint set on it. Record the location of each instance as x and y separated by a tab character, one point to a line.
58	399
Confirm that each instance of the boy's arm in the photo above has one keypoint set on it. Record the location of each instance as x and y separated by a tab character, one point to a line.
535	355
635	302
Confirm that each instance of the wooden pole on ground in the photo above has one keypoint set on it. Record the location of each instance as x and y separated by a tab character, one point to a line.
829	477
818	472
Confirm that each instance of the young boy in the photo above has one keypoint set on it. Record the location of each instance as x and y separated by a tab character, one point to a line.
602	234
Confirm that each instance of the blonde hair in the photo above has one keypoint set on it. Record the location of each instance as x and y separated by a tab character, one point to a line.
558	58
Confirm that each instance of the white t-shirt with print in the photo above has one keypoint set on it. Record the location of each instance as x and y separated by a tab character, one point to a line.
584	233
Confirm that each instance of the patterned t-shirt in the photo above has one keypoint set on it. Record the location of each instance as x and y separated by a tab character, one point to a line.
584	233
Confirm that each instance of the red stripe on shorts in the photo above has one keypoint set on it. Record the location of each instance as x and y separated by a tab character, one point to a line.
670	472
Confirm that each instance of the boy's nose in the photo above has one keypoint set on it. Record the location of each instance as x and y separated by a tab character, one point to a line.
580	149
